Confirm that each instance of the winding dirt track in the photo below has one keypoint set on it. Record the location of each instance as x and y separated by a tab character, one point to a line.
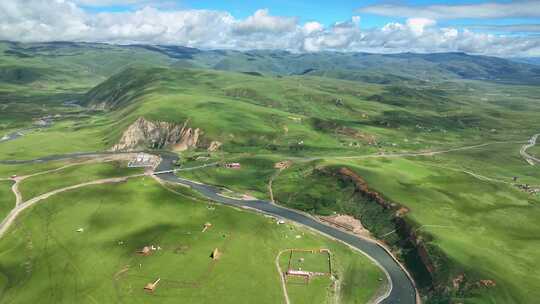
8	220
473	174
282	278
19	179
415	154
15	190
529	158
270	181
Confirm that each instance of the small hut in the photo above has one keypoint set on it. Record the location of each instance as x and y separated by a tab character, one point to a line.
306	275
233	166
206	226
282	164
215	254
145	251
150	287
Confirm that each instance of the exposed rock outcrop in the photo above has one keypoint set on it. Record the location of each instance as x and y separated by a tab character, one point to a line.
143	134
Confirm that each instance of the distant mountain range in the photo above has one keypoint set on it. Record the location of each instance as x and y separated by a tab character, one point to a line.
366	67
529	60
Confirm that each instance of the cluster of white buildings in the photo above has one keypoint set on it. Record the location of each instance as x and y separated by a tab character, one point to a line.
142	160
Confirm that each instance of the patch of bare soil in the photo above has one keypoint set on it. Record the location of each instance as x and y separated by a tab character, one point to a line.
346	222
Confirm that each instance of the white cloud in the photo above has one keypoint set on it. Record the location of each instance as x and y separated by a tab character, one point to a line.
261	21
149	25
37	20
54	20
313	26
487	10
105	3
417	25
519	28
340	36
356	20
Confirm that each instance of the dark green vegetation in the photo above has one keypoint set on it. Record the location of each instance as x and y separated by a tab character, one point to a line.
314	109
319	189
43	258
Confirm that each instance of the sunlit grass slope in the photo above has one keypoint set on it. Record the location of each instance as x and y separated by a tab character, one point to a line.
276	113
7	198
43	258
73	175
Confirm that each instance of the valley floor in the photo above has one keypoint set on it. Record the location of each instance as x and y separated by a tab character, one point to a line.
108	224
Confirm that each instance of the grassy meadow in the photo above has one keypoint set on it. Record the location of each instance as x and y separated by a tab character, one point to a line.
249	113
484	229
62	138
73	175
535	151
286	115
251	178
471	225
44	259
318	287
7	198
7	170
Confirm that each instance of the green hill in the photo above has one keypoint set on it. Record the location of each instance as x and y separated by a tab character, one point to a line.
91	62
275	113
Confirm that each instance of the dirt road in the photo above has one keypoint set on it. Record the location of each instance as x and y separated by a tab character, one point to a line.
282	278
8	220
529	158
426	153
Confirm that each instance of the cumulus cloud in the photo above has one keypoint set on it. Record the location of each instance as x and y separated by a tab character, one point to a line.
487	10
106	2
262	22
38	20
340	36
312	27
149	25
54	20
417	25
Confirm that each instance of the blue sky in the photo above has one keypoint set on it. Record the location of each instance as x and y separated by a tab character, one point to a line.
325	12
491	27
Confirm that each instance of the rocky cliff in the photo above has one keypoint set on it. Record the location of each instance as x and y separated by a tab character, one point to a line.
143	134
